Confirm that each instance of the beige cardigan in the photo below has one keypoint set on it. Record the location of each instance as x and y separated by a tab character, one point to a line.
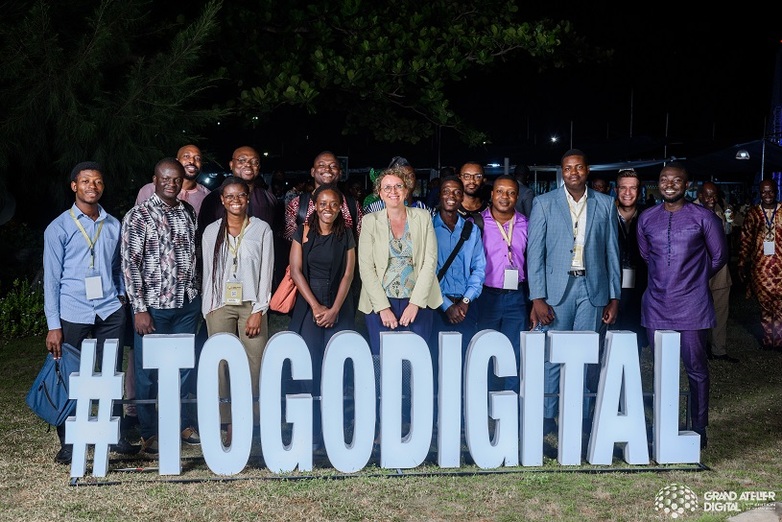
373	260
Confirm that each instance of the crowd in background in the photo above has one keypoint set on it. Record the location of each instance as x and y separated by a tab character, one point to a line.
468	255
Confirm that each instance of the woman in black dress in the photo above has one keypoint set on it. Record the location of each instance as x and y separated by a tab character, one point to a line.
322	260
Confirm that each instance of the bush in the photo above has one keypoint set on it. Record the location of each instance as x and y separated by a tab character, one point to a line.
21	311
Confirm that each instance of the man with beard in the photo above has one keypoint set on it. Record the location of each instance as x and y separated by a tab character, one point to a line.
684	246
474	204
634	274
192	191
245	164
325	169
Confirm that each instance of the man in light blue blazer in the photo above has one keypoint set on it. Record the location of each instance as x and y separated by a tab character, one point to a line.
572	262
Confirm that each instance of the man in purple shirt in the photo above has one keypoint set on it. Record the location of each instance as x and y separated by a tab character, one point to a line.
502	305
684	246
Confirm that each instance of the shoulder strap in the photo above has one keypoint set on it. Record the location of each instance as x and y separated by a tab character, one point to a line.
353	209
466	231
478	218
304	203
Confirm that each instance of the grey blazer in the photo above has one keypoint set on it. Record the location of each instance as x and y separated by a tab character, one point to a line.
550	248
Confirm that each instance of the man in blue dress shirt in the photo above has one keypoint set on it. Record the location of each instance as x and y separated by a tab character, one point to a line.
462	281
83	288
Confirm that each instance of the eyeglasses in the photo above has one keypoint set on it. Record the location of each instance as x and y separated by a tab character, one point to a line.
468	176
389	188
244	161
235	197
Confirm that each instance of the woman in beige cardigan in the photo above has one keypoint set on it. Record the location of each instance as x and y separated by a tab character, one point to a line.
397	259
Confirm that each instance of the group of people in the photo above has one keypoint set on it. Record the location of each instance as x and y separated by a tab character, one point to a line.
187	260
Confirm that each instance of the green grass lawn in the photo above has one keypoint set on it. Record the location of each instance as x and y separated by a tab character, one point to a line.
744	455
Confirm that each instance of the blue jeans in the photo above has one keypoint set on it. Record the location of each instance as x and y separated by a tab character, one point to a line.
171	321
506	312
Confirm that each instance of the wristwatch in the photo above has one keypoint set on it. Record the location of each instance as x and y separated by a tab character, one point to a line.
466	300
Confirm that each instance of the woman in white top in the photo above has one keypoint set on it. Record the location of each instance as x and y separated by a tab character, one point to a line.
238	253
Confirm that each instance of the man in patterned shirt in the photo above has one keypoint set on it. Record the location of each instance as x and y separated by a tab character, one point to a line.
159	267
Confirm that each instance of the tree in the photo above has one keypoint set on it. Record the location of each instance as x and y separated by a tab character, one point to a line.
381	67
116	83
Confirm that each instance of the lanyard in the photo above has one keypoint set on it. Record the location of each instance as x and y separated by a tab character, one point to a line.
770	223
235	250
508	237
576	216
90	242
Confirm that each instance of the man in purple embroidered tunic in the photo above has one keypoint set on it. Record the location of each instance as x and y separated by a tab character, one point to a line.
684	245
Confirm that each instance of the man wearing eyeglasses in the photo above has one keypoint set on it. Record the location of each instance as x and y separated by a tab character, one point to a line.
474	203
245	164
158	252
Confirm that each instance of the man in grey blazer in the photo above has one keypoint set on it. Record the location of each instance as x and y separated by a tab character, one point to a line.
572	262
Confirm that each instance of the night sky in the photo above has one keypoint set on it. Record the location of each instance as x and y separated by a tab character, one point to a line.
708	76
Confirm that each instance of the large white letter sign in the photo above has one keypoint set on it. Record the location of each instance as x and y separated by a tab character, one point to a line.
409	451
574	350
533	353
502	406
225	347
670	445
449	400
83	428
619	410
169	354
298	407
353	456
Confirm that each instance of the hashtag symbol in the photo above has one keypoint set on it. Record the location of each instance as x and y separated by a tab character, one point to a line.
85	428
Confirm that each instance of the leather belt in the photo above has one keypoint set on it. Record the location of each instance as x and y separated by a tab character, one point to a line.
498	291
577	273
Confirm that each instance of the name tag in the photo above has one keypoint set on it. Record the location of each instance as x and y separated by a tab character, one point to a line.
233	293
628	278
511	281
94	287
768	248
